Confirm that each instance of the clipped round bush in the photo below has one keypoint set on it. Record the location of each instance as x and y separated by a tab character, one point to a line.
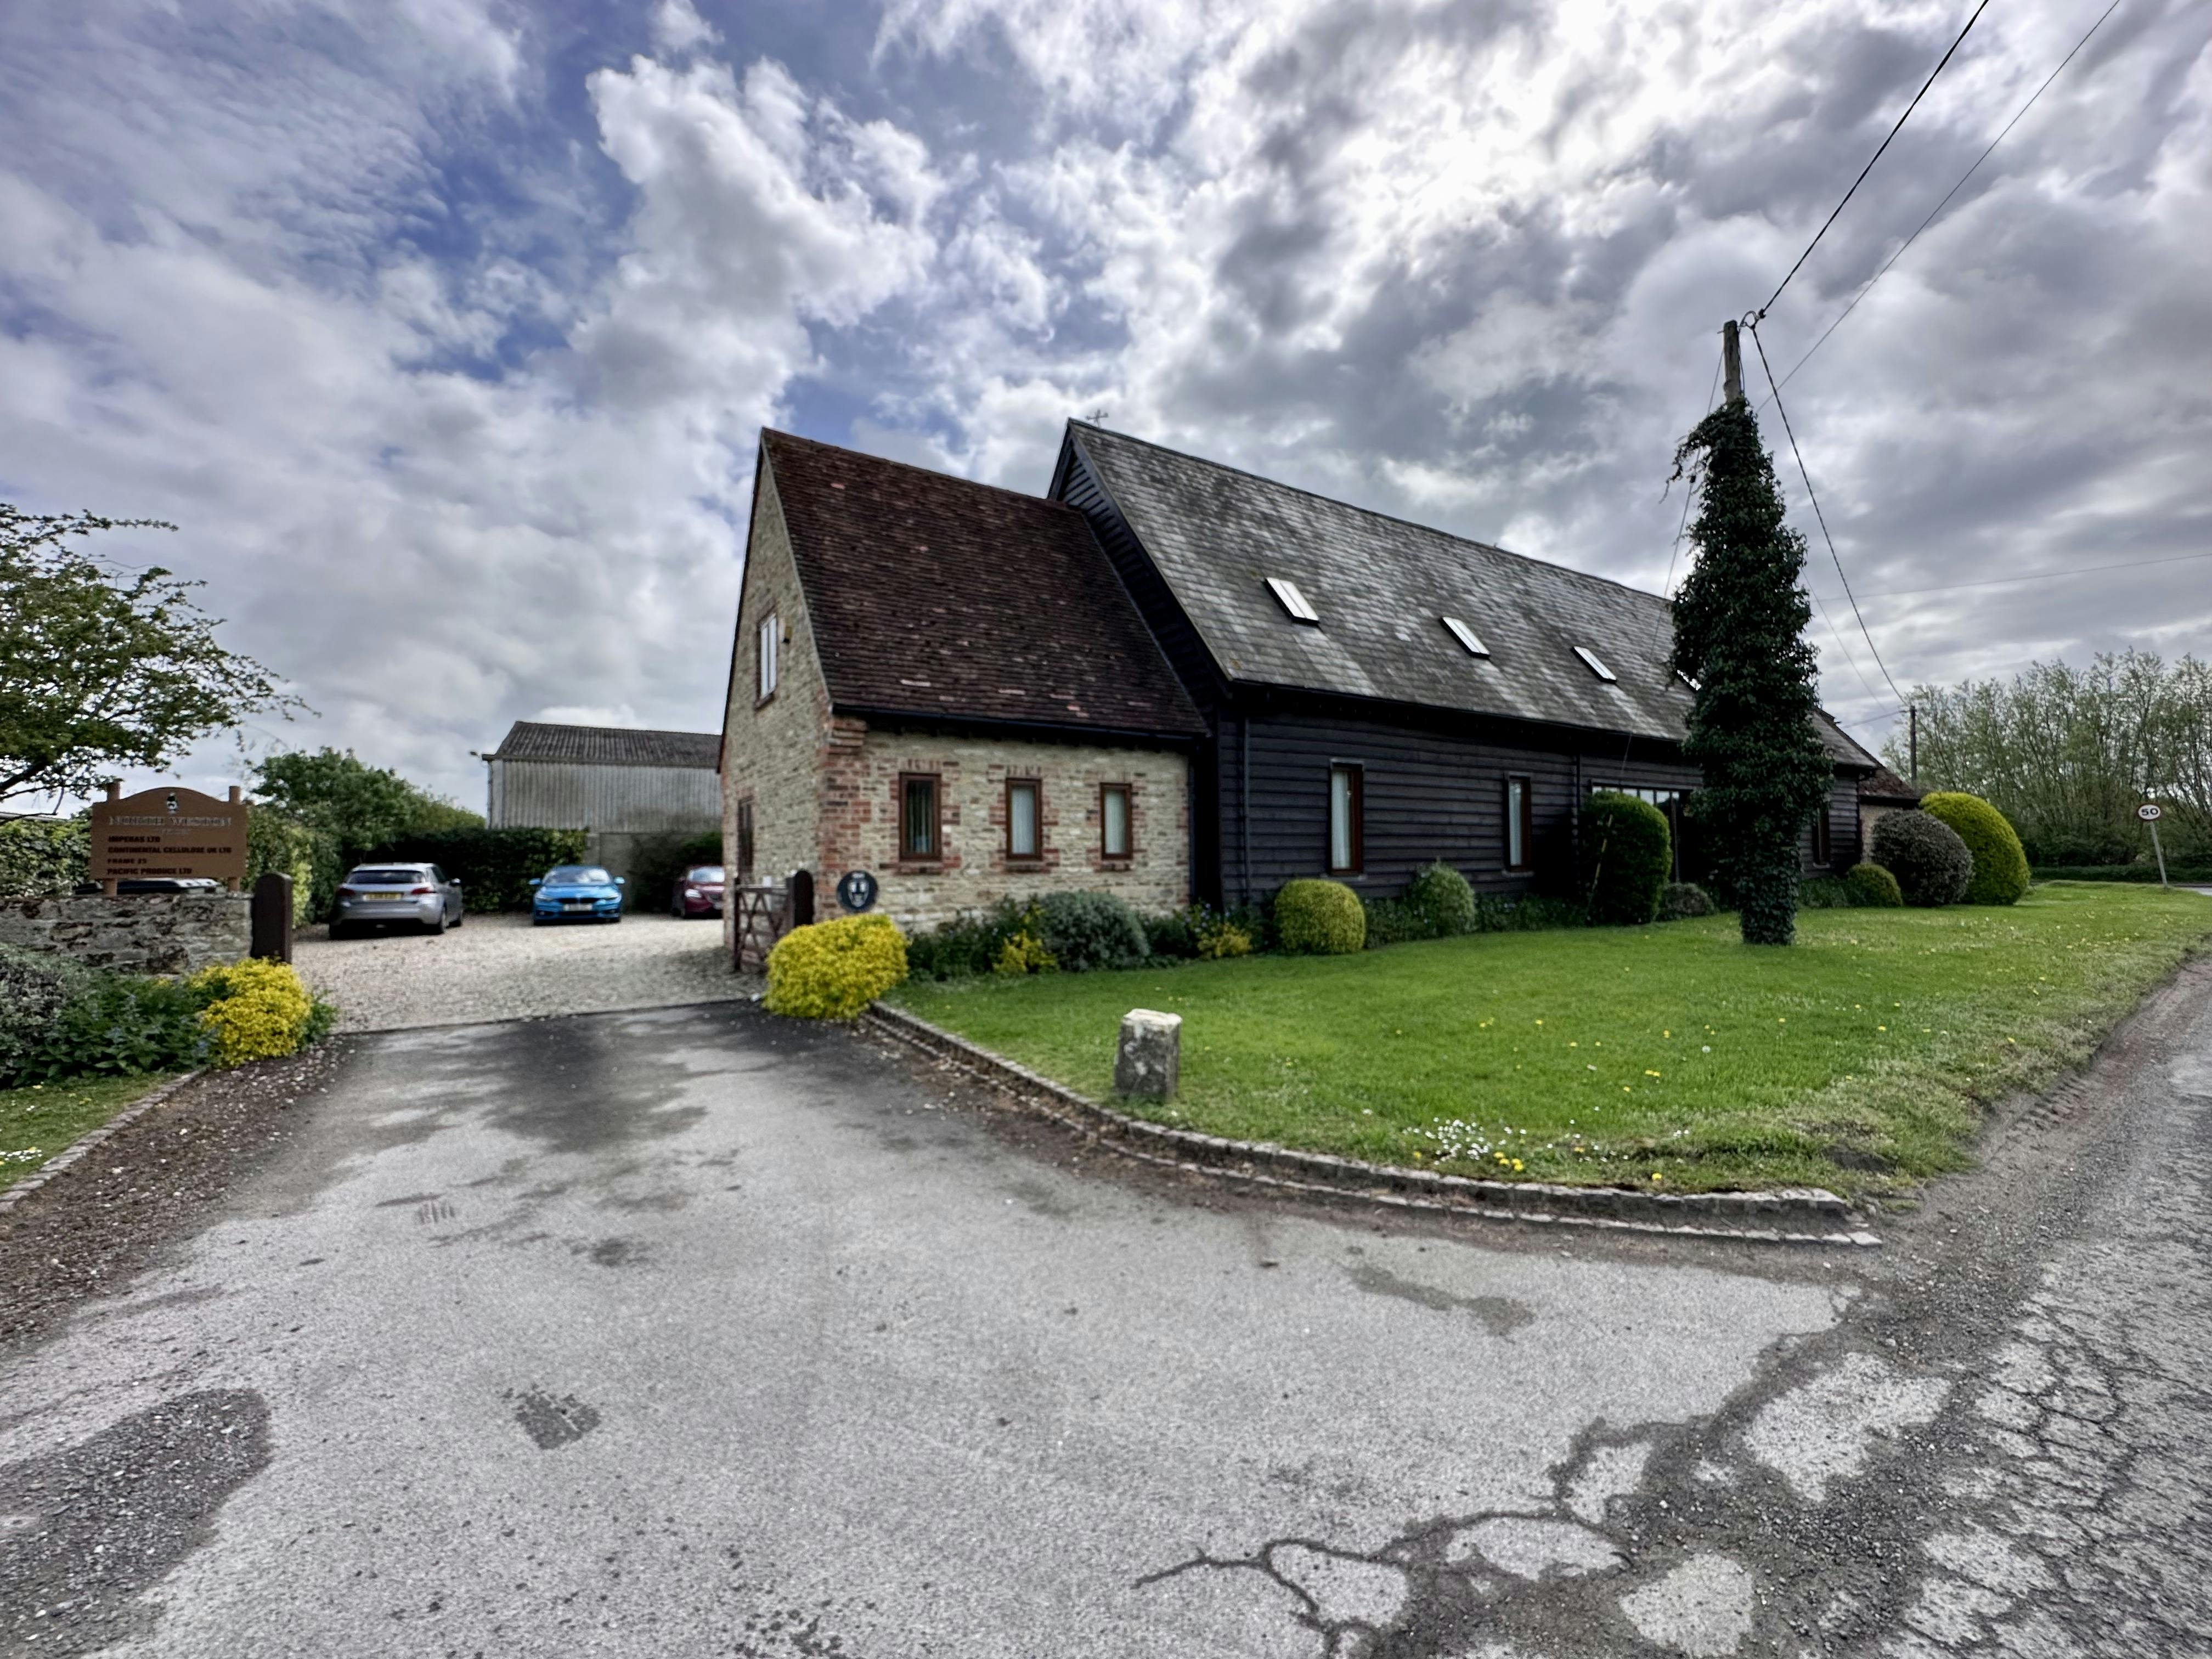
1314	917
1681	900
1872	887
256	1009
34	988
835	970
1088	931
1625	855
1440	900
2000	862
1931	864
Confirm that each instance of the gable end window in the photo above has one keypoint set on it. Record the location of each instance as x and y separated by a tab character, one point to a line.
1520	824
1348	850
770	636
1114	821
922	831
1025	820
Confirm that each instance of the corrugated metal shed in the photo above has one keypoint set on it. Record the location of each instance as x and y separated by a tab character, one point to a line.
606	779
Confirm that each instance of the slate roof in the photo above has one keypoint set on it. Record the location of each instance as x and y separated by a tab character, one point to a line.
1382	587
938	597
608	746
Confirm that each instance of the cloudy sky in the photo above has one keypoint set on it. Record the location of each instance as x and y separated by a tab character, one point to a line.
445	328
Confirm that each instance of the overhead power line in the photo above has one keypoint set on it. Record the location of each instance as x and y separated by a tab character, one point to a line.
2039	576
1822	517
1876	156
1948	195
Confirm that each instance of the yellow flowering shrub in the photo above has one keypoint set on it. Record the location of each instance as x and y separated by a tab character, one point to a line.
835	970
257	1009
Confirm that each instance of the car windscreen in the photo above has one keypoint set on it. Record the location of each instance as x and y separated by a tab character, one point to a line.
367	877
705	872
577	875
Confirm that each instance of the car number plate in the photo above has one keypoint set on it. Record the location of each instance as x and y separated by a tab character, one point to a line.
387	896
576	904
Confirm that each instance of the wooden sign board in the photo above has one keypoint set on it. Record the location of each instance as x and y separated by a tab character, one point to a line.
168	832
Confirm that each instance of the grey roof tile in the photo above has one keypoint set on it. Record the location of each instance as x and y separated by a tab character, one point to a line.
609	745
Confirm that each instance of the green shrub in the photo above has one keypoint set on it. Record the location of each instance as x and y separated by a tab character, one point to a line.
2000	864
1173	936
41	857
494	866
1931	864
968	943
1089	931
1625	853
1440	902
1826	893
1219	938
1314	917
2189	875
835	970
1023	953
1874	886
120	1025
1681	900
1391	921
276	842
34	988
256	1009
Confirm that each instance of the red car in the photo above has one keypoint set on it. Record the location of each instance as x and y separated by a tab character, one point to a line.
698	892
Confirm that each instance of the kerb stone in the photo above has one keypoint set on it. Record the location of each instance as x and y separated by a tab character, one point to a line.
1148	1064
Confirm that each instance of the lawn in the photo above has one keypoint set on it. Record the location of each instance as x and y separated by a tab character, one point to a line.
1673	1057
39	1122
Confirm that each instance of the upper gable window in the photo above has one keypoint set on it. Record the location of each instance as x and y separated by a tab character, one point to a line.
1287	595
1592	661
770	635
1467	636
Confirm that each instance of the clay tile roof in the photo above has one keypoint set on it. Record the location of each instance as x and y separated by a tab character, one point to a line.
1885	788
609	745
935	596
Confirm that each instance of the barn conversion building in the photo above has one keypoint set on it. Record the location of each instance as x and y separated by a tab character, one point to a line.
1173	679
622	785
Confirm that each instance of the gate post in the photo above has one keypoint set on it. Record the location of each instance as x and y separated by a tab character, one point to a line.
273	917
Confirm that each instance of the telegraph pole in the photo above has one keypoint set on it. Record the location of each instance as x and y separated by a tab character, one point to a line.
1912	712
1732	360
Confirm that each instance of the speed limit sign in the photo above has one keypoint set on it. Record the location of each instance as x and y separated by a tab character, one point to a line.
2150	812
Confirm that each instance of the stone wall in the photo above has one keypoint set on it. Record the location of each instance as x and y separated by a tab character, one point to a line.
136	932
860	822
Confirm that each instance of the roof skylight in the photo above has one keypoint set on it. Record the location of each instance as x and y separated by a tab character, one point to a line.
1597	665
1467	636
1287	595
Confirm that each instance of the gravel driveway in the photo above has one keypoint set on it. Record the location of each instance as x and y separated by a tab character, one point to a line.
499	967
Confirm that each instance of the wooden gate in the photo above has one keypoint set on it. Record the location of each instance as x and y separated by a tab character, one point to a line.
762	914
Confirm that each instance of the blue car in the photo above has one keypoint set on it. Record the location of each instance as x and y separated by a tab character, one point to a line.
575	892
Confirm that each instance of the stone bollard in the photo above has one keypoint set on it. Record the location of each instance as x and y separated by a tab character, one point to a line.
1148	1064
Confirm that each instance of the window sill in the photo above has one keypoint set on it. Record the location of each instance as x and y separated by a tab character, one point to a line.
1115	863
919	867
760	703
1028	865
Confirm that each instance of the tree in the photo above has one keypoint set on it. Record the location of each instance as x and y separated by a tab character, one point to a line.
363	805
104	669
1740	641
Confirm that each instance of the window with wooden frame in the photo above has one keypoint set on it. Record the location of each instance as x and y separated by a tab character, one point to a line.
1824	842
745	842
771	637
1114	838
1520	824
1025	820
1347	851
920	817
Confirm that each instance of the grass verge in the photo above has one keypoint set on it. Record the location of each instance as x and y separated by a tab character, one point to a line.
1675	1058
44	1119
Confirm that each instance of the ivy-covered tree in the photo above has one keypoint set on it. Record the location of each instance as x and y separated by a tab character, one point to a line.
105	669
1740	624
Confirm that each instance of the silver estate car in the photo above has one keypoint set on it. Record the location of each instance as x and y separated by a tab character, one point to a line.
418	896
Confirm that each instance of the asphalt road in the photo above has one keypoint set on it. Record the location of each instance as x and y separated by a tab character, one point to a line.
692	1332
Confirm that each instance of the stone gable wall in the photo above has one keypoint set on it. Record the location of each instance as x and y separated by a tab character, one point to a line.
860	822
134	932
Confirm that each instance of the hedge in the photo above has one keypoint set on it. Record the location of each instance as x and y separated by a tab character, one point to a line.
494	866
40	857
1930	862
660	860
2193	875
2000	865
1314	917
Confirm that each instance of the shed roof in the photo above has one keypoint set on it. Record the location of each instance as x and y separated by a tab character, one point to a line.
939	597
1382	588
1885	788
608	746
